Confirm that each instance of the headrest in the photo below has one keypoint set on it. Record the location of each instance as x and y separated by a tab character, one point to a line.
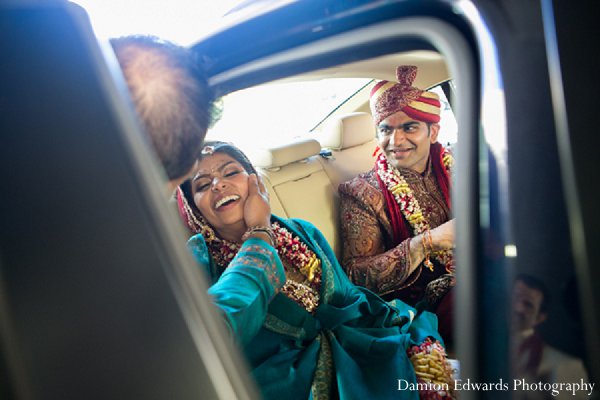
279	156
348	131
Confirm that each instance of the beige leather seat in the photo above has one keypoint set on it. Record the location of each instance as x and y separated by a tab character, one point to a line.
302	184
351	139
299	186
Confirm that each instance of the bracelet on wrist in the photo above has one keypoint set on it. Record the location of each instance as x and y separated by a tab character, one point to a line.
424	239
260	229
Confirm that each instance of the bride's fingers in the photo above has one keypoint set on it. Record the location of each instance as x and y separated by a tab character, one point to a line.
261	186
253	186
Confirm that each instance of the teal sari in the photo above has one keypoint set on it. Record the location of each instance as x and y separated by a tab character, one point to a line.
352	347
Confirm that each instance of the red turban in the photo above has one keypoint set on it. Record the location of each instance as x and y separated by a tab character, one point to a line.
388	98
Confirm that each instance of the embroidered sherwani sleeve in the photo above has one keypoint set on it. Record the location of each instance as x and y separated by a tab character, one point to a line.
245	289
365	259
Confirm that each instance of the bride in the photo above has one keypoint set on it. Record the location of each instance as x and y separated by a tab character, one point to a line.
305	329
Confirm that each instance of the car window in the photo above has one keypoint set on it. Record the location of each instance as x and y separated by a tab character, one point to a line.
280	112
448	135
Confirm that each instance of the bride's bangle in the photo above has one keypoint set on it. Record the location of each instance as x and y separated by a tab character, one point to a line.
260	229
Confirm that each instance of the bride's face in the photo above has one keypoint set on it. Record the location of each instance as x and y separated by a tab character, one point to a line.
220	190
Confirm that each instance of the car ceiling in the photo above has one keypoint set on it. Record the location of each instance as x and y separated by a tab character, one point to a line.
431	64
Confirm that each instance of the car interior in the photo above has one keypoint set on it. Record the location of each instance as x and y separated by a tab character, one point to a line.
99	296
339	148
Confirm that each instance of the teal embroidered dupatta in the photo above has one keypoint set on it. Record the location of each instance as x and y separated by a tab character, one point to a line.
353	347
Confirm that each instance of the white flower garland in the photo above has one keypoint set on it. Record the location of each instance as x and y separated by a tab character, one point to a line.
409	206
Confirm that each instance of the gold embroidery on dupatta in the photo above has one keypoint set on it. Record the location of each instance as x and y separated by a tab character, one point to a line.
321	386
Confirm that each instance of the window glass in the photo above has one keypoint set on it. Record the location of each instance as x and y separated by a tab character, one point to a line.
275	113
448	135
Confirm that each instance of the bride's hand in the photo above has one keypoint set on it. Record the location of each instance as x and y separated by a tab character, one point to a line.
257	210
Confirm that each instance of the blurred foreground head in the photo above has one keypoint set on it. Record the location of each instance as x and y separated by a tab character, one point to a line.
171	96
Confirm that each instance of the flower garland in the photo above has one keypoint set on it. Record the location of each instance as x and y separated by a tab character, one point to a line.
409	206
433	372
289	247
297	254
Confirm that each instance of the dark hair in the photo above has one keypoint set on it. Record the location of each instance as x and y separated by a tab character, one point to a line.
216	147
170	94
230	150
536	284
